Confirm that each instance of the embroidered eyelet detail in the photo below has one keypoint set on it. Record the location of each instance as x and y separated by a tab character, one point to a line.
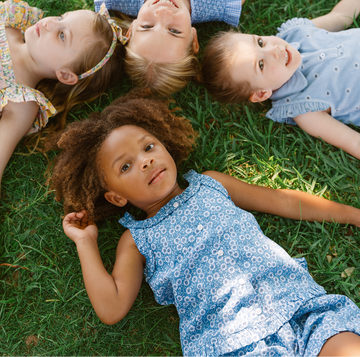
316	75
308	35
348	90
287	100
357	108
326	32
356	65
336	69
290	113
308	97
302	67
328	92
322	56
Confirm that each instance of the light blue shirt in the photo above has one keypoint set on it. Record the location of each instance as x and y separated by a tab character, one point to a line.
201	10
328	76
231	285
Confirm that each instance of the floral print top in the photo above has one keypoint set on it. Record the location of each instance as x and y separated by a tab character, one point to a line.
18	14
231	285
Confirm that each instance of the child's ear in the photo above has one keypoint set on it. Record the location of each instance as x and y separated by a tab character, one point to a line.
195	42
260	95
66	76
115	199
129	31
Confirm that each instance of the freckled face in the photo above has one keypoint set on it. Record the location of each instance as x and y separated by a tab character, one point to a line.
55	43
137	167
265	62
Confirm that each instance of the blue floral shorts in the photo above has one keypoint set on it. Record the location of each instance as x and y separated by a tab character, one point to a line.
307	331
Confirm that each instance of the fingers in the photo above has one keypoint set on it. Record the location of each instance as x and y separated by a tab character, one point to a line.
77	218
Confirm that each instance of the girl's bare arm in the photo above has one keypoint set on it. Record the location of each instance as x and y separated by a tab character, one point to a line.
111	295
340	17
286	203
16	120
323	125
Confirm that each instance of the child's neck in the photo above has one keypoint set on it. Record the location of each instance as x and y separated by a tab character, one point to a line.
25	69
153	209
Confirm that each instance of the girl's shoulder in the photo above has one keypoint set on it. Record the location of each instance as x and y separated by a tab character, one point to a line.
18	93
294	23
19	14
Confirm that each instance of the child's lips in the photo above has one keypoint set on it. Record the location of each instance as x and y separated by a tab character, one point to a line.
166	2
288	57
156	176
37	29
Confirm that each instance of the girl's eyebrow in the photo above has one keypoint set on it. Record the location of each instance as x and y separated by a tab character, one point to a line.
117	159
144	137
70	32
255	64
170	33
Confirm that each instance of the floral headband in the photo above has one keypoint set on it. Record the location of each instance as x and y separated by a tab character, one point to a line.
117	35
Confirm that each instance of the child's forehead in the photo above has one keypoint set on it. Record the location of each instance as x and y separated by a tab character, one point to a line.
125	134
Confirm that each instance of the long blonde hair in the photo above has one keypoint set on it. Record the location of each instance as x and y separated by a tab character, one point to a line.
64	97
164	78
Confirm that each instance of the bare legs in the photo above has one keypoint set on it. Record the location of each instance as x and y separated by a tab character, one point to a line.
342	344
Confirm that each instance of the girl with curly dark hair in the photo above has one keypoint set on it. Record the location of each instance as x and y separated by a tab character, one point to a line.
235	290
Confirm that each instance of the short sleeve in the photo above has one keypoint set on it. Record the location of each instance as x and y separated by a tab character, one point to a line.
216	10
18	14
21	94
293	23
285	112
127	7
46	111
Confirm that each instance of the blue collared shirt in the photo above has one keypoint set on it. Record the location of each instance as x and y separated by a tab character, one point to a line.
328	76
201	10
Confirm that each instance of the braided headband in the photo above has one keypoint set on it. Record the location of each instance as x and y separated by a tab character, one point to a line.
117	35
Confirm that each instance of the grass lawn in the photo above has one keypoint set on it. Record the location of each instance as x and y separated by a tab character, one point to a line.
44	308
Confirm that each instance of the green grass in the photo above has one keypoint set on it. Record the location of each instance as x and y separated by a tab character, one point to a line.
44	308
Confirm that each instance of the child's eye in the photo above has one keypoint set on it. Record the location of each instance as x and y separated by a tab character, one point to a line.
125	167
147	26
260	42
174	31
62	36
261	64
149	147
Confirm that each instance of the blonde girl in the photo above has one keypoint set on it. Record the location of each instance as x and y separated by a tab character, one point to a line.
163	43
309	72
48	66
237	292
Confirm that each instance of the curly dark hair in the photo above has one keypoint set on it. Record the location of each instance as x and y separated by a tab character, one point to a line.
76	176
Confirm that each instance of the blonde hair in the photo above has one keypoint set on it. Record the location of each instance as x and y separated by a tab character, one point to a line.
164	78
64	97
215	71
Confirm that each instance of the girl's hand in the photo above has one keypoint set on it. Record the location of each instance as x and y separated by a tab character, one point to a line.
78	227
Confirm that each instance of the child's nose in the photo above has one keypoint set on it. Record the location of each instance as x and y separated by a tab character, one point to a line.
275	52
147	162
49	24
163	13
